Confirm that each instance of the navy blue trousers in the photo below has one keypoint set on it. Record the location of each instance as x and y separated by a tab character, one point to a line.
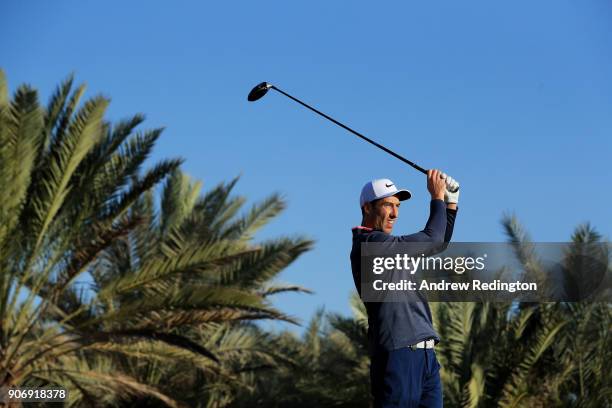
406	378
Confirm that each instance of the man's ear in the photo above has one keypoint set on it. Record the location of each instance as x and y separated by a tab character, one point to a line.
367	209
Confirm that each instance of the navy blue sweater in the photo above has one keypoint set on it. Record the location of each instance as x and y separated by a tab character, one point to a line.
394	325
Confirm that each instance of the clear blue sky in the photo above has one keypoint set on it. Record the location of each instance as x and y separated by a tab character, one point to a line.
514	100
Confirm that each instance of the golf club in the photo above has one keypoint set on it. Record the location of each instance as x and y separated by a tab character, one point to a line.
261	89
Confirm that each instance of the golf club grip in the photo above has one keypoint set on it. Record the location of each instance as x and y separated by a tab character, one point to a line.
367	139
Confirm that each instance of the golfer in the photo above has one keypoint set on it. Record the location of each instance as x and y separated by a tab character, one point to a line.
404	371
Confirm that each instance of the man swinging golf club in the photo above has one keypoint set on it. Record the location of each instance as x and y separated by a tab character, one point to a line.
404	371
400	376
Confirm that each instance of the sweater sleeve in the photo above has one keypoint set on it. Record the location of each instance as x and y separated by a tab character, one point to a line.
435	228
450	224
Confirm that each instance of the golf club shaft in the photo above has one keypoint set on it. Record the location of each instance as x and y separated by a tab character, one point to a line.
367	139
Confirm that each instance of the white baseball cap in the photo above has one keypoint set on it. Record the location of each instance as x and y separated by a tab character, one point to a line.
381	188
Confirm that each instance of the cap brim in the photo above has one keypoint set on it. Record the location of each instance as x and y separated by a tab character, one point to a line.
403	195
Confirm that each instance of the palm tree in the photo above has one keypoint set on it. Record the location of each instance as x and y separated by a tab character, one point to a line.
528	354
96	287
198	260
68	178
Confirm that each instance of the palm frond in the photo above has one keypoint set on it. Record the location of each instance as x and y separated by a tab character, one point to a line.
55	108
178	200
20	129
258	216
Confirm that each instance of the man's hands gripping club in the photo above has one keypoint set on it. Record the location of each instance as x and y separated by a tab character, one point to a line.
442	187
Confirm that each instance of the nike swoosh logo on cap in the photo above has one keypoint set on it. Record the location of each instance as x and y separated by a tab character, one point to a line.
388	185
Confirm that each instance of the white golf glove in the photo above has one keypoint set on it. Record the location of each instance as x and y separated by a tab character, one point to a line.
451	196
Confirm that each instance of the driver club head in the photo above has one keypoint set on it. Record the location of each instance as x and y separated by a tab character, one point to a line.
259	91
